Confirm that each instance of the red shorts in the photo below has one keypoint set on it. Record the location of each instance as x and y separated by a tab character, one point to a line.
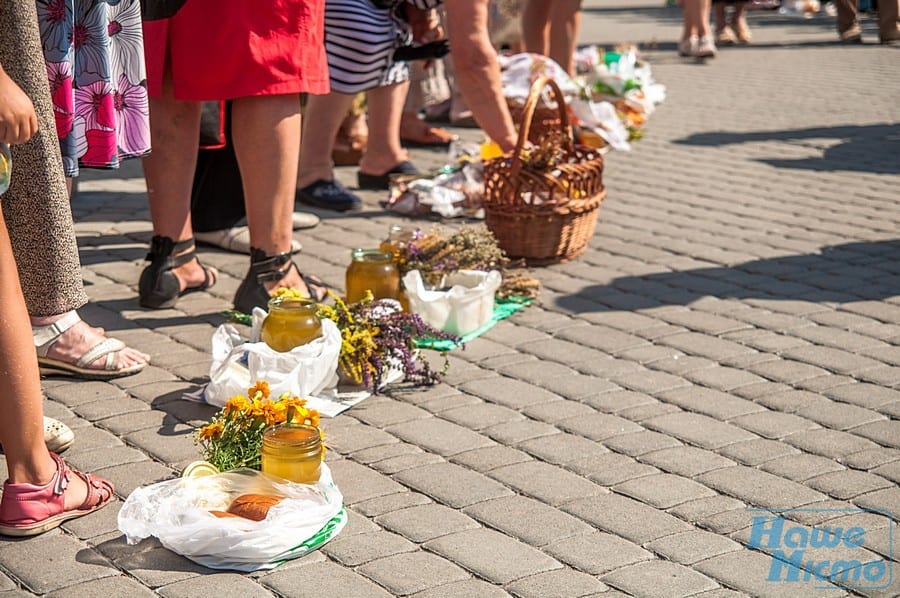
225	49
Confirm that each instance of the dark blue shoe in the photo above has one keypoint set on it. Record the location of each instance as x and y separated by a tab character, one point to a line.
329	195
380	182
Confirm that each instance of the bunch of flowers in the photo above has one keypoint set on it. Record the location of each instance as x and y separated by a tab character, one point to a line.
376	338
233	437
436	253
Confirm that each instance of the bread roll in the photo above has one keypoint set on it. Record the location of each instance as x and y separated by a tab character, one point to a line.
253	506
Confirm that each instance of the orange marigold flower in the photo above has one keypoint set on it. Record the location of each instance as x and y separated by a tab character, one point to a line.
211	431
262	387
237	403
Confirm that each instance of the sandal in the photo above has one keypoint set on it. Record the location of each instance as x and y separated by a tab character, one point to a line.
383	181
28	510
159	287
46	336
263	268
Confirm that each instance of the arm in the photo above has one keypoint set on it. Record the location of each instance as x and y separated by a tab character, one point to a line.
477	70
18	121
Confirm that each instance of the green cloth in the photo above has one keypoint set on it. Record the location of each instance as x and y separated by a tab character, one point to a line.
503	308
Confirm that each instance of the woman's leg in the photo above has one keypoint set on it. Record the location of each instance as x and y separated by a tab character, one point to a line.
739	23
384	150
324	115
536	26
564	26
169	172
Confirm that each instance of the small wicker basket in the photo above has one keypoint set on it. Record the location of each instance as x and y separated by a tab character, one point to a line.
544	216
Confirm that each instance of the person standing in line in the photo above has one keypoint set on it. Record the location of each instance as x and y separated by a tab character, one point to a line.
888	22
696	39
550	28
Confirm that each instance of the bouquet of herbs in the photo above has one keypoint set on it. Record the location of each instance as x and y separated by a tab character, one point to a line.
376	337
436	253
233	437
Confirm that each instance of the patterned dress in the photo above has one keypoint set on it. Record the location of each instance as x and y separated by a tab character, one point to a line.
95	63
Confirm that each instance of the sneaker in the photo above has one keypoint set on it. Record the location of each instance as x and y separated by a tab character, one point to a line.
705	48
330	195
57	435
688	47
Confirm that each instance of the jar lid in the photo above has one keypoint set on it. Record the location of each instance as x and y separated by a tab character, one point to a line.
199	469
296	435
371	255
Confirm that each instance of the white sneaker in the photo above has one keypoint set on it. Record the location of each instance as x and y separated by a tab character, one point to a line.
705	48
57	435
688	47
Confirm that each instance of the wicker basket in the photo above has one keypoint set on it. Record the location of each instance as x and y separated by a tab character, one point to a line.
545	216
545	120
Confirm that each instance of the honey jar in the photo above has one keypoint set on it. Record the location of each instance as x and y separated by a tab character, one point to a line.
372	270
292	452
290	323
397	240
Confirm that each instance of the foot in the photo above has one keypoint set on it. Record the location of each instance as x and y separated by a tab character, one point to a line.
725	37
416	132
294	279
705	48
81	338
688	46
742	30
852	35
193	273
330	195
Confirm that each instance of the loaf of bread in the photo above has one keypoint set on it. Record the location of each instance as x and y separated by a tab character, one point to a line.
253	506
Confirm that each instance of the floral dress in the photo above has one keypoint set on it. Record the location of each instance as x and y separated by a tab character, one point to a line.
95	64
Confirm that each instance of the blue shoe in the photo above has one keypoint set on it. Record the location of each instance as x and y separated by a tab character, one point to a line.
329	195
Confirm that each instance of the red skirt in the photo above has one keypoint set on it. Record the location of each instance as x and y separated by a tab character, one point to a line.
226	49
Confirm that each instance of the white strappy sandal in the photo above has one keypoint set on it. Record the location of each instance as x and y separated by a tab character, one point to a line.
46	336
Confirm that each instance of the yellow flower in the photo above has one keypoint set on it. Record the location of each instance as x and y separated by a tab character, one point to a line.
260	387
237	403
211	431
289	293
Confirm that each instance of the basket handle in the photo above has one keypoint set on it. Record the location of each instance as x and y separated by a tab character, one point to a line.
534	96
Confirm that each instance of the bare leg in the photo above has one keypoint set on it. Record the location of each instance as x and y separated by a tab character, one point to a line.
324	115
169	171
564	26
536	26
385	110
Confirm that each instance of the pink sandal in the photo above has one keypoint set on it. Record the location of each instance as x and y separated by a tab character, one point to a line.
28	510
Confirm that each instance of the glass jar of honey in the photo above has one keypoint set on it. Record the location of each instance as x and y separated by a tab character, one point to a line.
293	452
372	270
397	240
290	323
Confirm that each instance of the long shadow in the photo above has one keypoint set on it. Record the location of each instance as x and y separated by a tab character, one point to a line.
863	148
861	271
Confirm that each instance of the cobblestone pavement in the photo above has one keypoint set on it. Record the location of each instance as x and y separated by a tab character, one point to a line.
731	340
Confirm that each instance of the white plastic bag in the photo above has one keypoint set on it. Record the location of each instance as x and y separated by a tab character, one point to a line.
177	512
303	371
464	307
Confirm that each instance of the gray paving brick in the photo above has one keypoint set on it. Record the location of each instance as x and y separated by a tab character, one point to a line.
597	553
688	461
626	517
886	432
528	520
562	449
483	415
883	500
835	360
511	393
640	443
619	400
451	484
520	431
650	382
890	471
107	586
699	429
159	566
680	364
885	376
492	457
713	403
606	367
565	582
787	371
404	574
129	476
697	510
400	463
470	588
349	439
839	416
100	410
512	559
361	548
848	484
663	490
757	452
557	410
726	378
704	322
748	571
647	411
694	343
545	482
320	579
426	522
601	338
514	336
801	467
598	426
392	502
773	424
659	578
871	458
95	459
759	488
223	585
611	469
439	436
359	483
384	452
829	443
74	562
173	445
691	547
71	394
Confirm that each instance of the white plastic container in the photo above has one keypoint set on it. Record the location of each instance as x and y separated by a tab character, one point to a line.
464	303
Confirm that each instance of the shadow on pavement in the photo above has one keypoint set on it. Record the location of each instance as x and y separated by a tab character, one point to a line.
864	271
862	148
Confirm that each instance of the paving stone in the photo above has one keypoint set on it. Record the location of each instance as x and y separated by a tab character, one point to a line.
773	424
890	471
694	343
492	457
642	413
403	462
528	520
99	523
848	483
747	571
159	567
562	449
126	478
470	588
77	393
384	452
650	382
171	446
404	574
835	360
100	410
321	579
74	562
387	412
109	586
626	517
886	432
698	510
509	392
392	502
451	484
839	416
349	439
606	367
802	467
688	461
690	547
699	429
511	559
659	578
716	404
562	582
882	500
787	371
426	522
359	483
829	443
95	459
617	401
577	386
602	338
640	443
759	451
597	553
547	483
599	426
759	488
871	458
221	585
352	551
663	490
481	416
869	396
521	431
726	378
557	410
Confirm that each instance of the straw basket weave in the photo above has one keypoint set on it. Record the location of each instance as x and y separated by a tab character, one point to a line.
545	120
544	216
